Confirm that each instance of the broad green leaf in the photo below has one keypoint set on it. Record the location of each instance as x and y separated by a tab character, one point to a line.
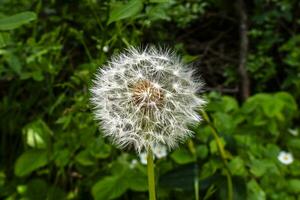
237	166
260	167
182	156
294	143
294	185
30	161
230	104
14	63
109	187
202	151
254	191
14	21
85	158
137	181
125	10
39	189
209	168
99	149
182	177
36	189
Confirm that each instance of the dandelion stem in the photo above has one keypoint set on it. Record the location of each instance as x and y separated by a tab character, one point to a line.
151	178
222	153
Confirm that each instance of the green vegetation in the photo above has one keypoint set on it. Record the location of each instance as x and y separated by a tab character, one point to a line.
51	147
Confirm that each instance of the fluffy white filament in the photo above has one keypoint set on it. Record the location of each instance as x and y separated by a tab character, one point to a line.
146	97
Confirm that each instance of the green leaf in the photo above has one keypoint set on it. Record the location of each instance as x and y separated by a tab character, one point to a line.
36	189
254	191
182	177
2	178
259	167
85	158
237	166
294	185
109	187
182	156
294	143
202	151
14	21
137	180
160	1
37	134
125	10
4	39
30	161
214	147
99	149
210	168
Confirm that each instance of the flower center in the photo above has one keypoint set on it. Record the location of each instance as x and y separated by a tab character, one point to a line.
286	157
147	95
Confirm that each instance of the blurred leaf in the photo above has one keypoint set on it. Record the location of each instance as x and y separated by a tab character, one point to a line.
14	63
37	134
99	149
137	181
214	147
109	187
125	10
209	168
4	39
260	167
36	189
160	1
182	156
2	178
294	185
254	191
62	157
14	21
30	161
182	177
237	167
202	151
85	158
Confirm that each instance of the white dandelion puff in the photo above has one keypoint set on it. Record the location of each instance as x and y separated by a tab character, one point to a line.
285	158
146	97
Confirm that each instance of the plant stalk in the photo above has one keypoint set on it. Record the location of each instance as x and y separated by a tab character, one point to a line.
222	153
151	177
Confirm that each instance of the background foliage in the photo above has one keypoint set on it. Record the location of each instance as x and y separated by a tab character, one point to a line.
51	147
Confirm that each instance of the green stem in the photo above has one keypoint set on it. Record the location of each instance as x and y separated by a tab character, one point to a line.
151	178
196	187
196	180
222	153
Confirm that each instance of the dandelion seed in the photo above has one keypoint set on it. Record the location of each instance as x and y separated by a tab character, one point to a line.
146	97
285	158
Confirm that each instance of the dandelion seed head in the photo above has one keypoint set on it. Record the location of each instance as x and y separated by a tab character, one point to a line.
146	97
